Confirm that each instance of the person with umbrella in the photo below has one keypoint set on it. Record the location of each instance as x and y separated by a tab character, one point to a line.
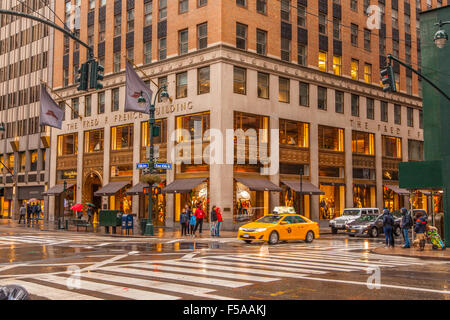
90	211
78	208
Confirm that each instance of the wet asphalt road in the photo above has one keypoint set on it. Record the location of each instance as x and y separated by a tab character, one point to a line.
74	266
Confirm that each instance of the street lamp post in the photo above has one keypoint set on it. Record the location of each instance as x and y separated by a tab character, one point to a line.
146	100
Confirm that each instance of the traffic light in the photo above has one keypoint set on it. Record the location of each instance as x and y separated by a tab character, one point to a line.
83	77
156	131
96	75
388	79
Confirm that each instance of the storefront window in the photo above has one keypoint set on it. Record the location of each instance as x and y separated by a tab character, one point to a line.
196	124
121	202
122	137
198	195
392	147
331	138
392	200
294	133
159	206
122	171
247	121
68	144
93	141
250	205
364	196
290	198
363	143
162	123
34	160
332	203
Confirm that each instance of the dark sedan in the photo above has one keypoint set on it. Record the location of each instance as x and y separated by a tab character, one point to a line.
370	225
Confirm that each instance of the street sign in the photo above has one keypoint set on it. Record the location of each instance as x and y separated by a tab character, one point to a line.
165	166
142	165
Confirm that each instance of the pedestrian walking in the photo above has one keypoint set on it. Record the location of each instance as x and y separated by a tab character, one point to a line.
406	224
419	229
213	219
219	221
38	211
33	211
90	213
388	223
184	219
22	213
192	223
29	212
199	216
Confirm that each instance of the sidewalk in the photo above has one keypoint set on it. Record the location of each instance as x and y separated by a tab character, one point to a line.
159	232
428	253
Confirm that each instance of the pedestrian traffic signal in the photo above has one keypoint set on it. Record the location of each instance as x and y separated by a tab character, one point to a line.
388	79
96	75
83	77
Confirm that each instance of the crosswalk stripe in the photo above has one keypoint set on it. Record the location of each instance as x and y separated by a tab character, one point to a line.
152	284
182	277
17	240
121	291
351	258
51	293
279	262
235	269
201	270
258	266
338	262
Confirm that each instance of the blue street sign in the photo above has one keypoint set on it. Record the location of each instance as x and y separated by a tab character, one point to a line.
165	166
142	165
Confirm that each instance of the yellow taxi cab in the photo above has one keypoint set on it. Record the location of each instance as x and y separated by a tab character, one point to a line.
279	227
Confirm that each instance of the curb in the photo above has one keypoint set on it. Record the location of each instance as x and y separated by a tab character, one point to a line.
411	256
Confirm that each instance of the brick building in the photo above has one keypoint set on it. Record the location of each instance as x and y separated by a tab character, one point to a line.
307	68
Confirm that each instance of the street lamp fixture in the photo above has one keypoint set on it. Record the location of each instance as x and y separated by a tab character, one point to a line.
441	37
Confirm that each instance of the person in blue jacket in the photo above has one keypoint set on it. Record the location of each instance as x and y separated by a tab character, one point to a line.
192	224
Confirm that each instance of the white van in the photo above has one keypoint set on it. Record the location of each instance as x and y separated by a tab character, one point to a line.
350	215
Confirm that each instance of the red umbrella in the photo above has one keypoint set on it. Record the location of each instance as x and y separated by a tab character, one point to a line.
77	207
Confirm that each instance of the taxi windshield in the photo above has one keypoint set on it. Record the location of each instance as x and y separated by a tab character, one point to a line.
350	212
269	219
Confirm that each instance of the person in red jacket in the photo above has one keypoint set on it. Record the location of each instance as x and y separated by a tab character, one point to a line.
219	221
199	216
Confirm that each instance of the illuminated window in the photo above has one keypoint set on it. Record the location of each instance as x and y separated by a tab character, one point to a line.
68	144
363	143
22	161
263	85
283	90
337	65
355	69
239	80
11	159
196	124
34	160
93	141
122	171
392	147
145	139
294	133
203	80
368	73
182	85
331	138
247	121
122	137
322	61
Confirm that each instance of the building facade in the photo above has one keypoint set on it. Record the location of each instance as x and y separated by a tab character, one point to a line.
305	71
26	48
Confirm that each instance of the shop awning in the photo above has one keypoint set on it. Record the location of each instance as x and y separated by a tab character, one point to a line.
259	184
183	185
30	192
111	188
138	189
307	187
397	189
57	189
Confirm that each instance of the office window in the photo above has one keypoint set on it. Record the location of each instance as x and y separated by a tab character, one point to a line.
202	35
407	54
241	36
408	85
370	108
101	103
182	85
382	45
394	15
322	23
322	61
354	5
130	54
285	10
331	138
301	54
301	16
201	3
162	49
239	80
339	101
115	95
183	6
294	133
162	9
67	145
117	62
183	41
75	108
336	29
263	85
242	3
384	111
261	6
130	20
363	143
261	41
203	80
88	106
395	48
337	65
285	49
322	98
122	137
397	114
415	150
148	52
284	90
355	69
367	39
93	141
304	94
391	147
162	81
354	35
410	117
368	73
355	105
407	24
148	12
